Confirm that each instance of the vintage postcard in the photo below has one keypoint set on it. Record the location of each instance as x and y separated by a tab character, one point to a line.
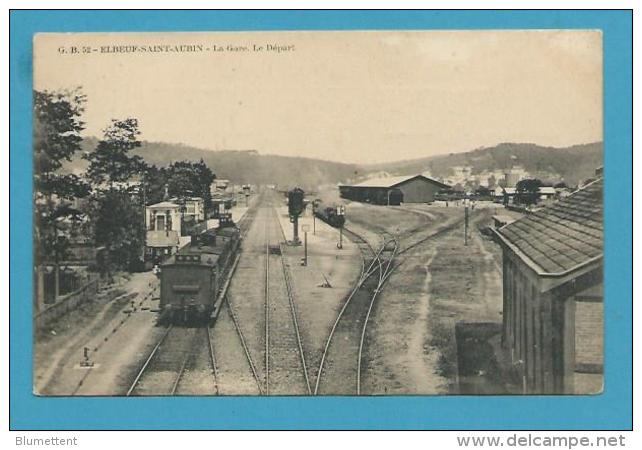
318	213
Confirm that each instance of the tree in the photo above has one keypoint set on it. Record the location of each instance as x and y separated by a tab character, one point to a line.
154	184
118	218
110	162
482	191
528	191
189	179
57	127
117	212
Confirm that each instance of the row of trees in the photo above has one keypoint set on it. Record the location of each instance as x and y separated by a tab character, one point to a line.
107	204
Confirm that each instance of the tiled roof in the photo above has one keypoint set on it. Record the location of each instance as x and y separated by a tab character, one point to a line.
564	235
387	182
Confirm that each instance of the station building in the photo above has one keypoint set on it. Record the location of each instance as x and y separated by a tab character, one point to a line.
163	223
553	295
393	190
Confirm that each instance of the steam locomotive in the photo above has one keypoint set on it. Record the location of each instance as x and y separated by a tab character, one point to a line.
333	215
191	279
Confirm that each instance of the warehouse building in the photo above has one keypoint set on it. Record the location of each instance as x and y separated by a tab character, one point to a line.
552	295
393	190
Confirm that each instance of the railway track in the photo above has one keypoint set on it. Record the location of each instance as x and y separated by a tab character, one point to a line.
199	371
287	277
285	367
343	351
367	252
183	361
165	366
244	226
246	350
404	244
430	236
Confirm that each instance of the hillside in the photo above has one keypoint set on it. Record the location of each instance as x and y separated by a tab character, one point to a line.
571	163
239	166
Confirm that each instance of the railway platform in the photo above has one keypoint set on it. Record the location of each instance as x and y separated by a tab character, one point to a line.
318	306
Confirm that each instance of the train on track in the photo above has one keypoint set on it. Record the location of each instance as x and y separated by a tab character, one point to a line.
191	279
333	215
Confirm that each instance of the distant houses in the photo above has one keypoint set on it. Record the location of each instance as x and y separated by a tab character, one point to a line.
552	295
510	195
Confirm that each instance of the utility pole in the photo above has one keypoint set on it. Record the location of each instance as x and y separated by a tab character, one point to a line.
465	221
341	211
305	229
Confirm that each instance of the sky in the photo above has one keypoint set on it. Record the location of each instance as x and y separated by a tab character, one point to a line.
358	97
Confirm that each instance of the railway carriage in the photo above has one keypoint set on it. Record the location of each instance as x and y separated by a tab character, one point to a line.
330	214
191	279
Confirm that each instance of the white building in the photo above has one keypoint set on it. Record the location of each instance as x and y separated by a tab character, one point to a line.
194	208
515	174
547	193
163	224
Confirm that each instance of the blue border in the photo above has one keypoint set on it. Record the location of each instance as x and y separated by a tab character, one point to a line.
612	410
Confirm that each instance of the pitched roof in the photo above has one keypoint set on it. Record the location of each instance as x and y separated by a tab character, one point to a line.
563	236
187	199
388	182
164	204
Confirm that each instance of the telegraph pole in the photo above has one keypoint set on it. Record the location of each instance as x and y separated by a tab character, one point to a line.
465	221
341	211
305	229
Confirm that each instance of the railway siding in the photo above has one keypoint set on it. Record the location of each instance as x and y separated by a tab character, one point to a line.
318	306
340	367
245	298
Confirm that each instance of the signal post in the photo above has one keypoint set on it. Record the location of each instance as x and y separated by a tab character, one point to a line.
296	206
